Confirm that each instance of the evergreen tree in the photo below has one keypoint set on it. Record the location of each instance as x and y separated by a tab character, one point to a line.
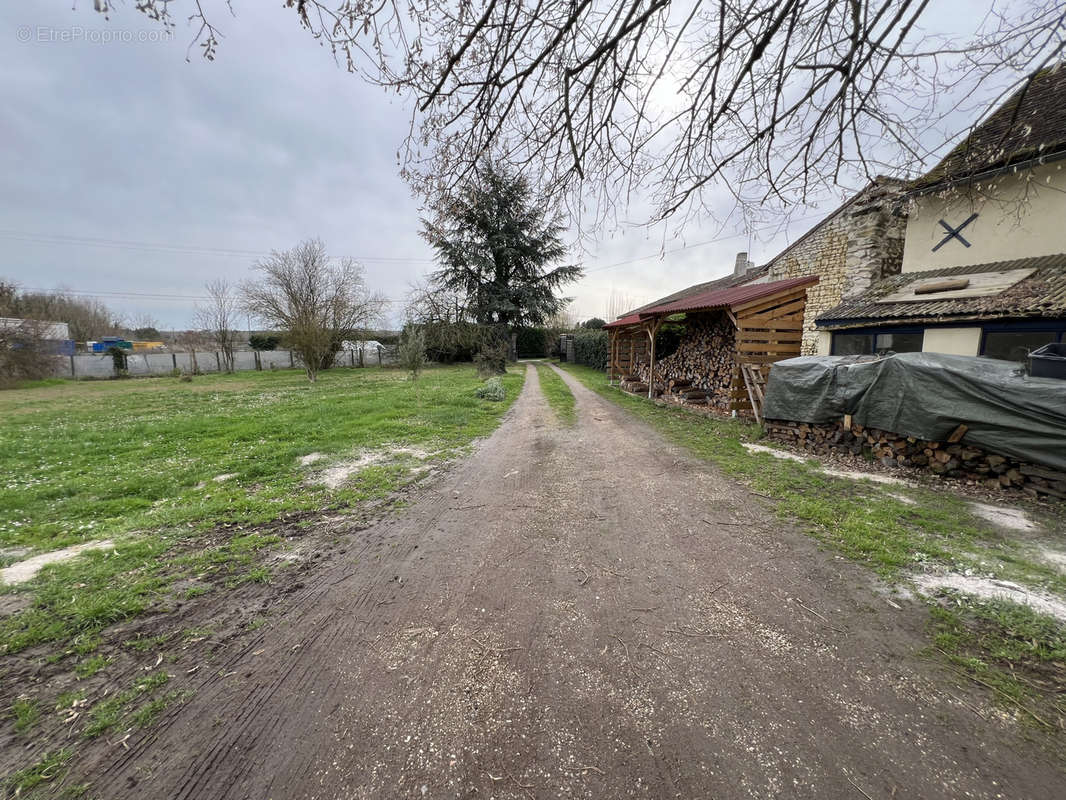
498	247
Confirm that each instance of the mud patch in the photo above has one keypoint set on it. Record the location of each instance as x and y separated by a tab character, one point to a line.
337	475
25	570
311	458
875	477
993	589
11	604
1013	519
782	454
1056	558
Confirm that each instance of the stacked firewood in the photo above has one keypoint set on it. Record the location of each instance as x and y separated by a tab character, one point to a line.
634	383
950	459
700	371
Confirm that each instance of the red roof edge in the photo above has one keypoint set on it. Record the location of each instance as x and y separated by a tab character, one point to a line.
727	298
632	319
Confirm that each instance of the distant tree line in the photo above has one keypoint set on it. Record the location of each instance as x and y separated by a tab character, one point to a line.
87	318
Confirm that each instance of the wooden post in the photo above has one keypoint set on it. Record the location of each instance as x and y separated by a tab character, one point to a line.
616	356
652	331
610	356
73	373
174	360
379	355
218	361
351	357
292	361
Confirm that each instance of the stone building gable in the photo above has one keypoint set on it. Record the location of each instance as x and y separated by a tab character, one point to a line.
855	246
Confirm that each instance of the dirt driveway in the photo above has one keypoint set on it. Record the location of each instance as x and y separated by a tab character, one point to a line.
581	612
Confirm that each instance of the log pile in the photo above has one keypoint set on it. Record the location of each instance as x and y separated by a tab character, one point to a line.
949	459
633	384
700	371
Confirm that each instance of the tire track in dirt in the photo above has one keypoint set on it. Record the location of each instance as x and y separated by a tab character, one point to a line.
556	619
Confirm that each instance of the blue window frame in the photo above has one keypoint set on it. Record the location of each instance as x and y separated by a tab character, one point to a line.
1013	341
866	341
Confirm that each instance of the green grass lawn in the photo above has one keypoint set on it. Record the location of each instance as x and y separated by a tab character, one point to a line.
558	394
874	524
154	463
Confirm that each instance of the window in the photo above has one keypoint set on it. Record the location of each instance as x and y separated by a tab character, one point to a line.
867	342
900	342
852	344
1015	344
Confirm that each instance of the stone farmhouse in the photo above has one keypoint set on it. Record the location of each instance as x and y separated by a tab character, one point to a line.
969	259
983	267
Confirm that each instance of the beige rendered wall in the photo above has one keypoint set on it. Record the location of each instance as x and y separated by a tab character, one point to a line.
953	341
1020	215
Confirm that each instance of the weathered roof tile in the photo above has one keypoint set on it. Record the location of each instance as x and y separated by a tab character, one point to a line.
1042	294
1031	123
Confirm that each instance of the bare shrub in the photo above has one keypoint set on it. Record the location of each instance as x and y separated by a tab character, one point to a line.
412	350
316	304
25	353
218	318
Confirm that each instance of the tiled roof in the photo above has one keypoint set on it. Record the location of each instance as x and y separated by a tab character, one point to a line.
1031	123
699	288
1042	294
727	297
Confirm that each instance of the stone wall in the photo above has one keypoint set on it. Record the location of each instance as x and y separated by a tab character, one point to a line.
854	246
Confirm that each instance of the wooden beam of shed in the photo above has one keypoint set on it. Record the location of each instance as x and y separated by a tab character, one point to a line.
652	331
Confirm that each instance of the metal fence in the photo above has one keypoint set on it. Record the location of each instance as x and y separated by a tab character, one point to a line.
93	365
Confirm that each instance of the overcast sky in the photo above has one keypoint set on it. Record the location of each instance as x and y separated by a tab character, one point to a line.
130	172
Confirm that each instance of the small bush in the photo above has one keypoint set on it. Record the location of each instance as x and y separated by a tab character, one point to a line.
492	389
412	350
175	373
264	341
186	377
492	357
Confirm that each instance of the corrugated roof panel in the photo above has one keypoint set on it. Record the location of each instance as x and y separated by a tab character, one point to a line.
632	319
726	298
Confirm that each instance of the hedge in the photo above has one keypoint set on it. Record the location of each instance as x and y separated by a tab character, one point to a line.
532	342
590	349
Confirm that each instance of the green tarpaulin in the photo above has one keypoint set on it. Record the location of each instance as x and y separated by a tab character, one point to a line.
927	395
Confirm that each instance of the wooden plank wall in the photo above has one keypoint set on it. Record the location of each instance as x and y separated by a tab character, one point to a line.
768	330
632	346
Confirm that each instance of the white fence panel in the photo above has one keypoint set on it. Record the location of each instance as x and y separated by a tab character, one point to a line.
93	366
98	365
275	359
244	360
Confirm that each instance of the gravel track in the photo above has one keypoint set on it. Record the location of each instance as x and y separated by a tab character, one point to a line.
582	612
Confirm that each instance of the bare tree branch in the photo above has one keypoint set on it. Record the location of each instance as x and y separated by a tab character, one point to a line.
764	100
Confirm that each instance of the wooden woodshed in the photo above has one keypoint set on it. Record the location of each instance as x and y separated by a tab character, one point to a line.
731	337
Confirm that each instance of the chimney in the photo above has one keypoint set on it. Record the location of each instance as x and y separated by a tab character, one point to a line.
742	264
